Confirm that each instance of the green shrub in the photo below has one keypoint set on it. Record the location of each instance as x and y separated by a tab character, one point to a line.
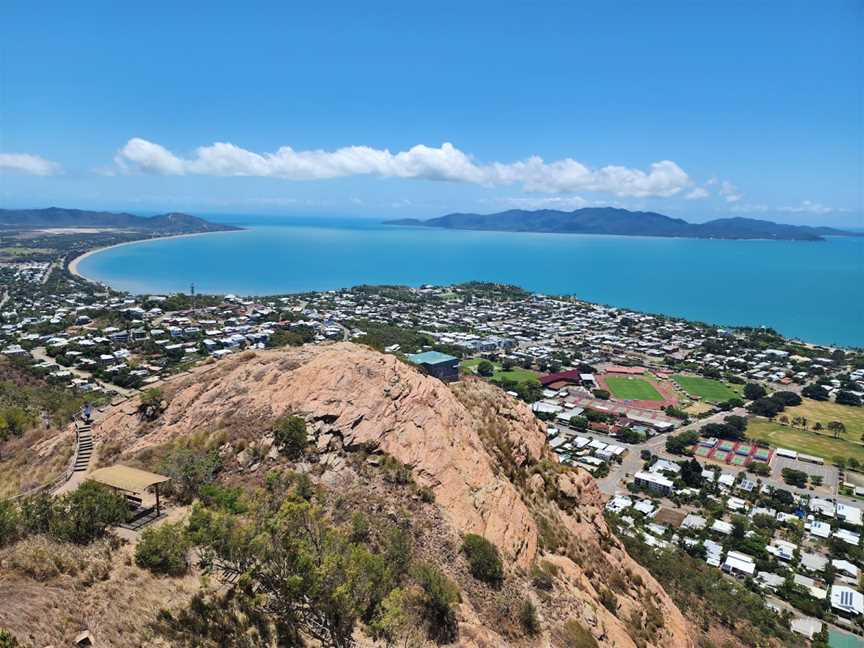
7	640
85	514
528	618
9	520
573	635
291	436
542	577
485	368
163	549
483	559
440	595
36	513
609	600
189	471
224	498
359	527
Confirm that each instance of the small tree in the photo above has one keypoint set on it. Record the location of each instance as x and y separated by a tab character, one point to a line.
837	428
485	368
440	595
85	514
150	405
754	391
483	559
9	520
163	550
291	436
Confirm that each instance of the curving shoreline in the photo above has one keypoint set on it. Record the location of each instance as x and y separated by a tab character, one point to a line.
72	266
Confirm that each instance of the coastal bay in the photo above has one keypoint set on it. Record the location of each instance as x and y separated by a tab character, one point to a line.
809	290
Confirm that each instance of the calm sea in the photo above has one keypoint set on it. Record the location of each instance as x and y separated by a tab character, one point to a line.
813	291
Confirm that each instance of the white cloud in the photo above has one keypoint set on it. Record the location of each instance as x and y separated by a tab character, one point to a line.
447	163
697	194
29	164
804	207
730	192
811	207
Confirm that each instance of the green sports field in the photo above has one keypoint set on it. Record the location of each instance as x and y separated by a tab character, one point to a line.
624	388
707	389
516	374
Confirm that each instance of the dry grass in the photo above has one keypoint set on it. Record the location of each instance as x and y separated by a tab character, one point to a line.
36	458
47	599
44	559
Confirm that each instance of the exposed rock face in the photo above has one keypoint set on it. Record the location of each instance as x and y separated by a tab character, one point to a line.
465	442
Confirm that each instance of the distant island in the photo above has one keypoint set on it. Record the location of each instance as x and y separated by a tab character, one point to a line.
58	218
623	222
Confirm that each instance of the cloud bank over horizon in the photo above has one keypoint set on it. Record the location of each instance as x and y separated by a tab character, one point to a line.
447	163
28	164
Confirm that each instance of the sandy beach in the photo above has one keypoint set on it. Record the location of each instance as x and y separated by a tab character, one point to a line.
73	264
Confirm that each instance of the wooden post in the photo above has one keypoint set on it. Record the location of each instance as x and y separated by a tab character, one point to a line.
157	500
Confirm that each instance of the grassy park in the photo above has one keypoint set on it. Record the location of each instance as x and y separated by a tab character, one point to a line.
715	391
625	388
821	444
824	412
516	374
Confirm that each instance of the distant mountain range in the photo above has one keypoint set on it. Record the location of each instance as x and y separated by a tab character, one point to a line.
56	217
623	222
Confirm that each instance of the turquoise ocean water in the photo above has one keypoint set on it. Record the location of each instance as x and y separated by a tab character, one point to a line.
813	291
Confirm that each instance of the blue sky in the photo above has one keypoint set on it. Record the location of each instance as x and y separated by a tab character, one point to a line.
695	109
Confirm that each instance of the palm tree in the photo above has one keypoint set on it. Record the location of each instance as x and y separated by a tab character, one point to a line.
837	428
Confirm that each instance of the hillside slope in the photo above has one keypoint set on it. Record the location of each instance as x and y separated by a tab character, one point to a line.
480	452
57	217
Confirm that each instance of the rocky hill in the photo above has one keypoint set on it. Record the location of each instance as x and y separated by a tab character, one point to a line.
482	455
623	222
57	217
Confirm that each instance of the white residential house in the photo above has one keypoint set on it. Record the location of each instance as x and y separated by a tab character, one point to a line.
849	514
724	528
820	529
847	536
739	564
654	483
694	522
846	568
847	601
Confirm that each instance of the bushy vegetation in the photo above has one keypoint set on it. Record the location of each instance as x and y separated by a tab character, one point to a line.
528	618
295	336
483	559
190	469
164	549
7	640
284	554
678	443
291	436
25	397
708	596
80	517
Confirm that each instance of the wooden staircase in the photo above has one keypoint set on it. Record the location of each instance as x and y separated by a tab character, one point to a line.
84	432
